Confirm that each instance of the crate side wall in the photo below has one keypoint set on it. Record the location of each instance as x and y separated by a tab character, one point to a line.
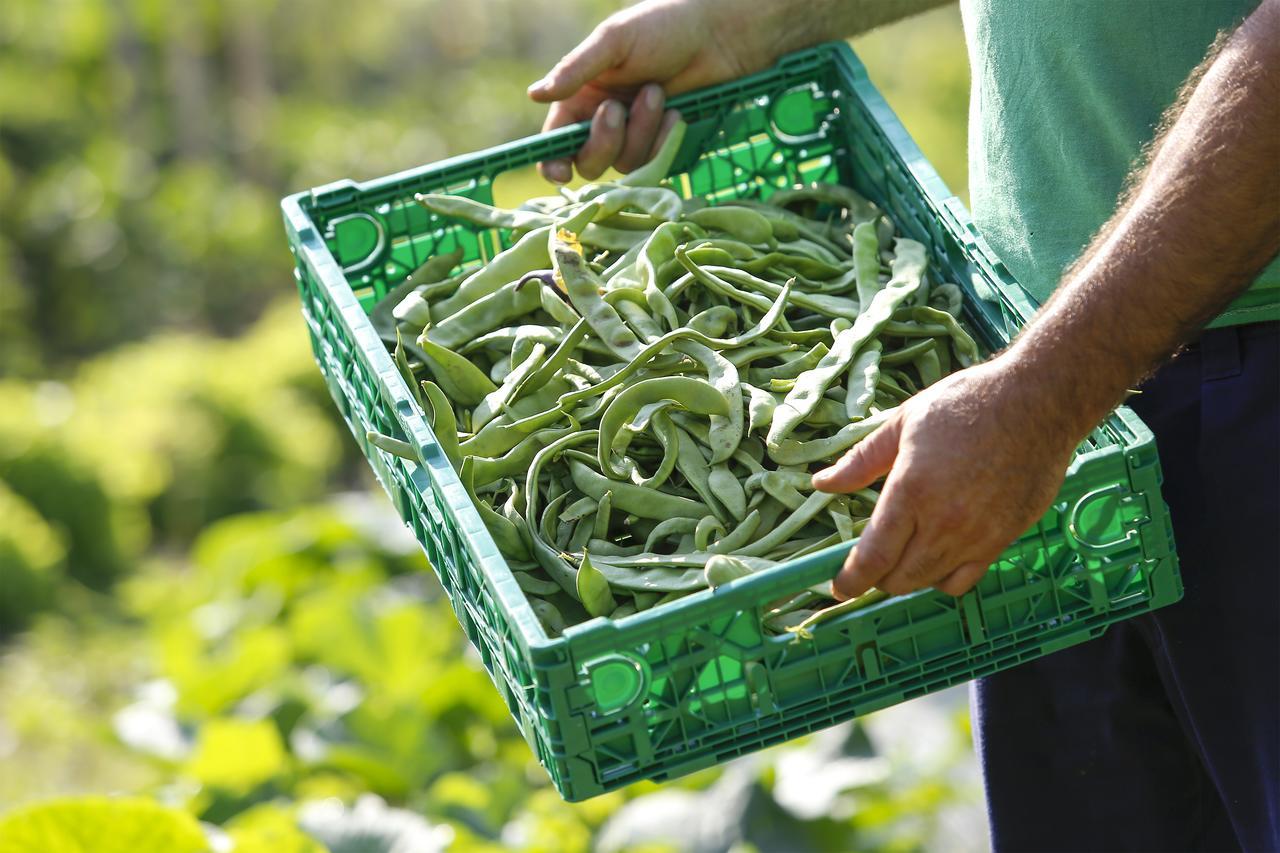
427	503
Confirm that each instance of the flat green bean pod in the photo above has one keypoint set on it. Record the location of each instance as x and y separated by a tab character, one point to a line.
864	375
646	503
811	385
443	422
804	627
394	446
696	395
866	261
909	353
459	378
478	213
585	291
722	569
792	452
966	348
505	305
527	255
593	589
742	223
665	573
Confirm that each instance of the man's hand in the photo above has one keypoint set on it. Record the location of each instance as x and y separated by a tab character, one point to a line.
621	75
973	461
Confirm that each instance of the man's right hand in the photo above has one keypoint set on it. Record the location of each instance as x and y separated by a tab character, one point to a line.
621	75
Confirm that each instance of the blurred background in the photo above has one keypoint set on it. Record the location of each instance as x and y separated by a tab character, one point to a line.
205	602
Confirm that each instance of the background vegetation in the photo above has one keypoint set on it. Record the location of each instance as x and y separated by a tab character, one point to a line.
192	622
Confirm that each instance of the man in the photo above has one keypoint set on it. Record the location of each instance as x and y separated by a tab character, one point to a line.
1164	733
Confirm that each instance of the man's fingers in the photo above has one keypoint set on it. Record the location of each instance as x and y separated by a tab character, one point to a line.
878	550
963	579
923	562
643	122
605	142
599	52
580	107
866	462
557	171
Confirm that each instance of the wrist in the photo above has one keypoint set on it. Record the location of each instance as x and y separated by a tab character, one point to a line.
1050	398
792	26
770	30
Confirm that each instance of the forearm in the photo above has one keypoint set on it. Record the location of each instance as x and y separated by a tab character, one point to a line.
797	24
1199	224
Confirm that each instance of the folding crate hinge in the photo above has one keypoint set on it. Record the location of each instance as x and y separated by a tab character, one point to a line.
962	221
993	260
1145	477
333	194
957	216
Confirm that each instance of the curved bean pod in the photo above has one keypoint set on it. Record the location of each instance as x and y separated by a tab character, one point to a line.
458	377
646	503
585	292
908	269
528	254
696	395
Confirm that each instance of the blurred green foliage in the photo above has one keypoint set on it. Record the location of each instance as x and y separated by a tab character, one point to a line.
31	555
146	444
303	673
144	146
197	621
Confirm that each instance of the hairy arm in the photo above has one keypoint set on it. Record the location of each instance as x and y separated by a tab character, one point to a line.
1198	224
803	23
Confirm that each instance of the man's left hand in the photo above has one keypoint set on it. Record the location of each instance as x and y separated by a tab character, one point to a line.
973	461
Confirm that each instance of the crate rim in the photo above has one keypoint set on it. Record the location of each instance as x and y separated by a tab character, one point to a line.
796	573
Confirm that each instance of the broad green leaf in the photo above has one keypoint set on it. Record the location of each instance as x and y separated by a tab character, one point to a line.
212	677
100	825
270	828
237	755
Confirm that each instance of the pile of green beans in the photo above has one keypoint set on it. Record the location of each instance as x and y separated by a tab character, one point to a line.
636	392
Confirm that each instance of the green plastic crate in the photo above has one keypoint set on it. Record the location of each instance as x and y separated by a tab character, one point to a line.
691	684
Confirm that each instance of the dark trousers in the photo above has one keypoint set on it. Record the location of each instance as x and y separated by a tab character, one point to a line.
1164	733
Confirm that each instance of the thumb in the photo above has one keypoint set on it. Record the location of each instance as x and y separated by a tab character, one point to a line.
864	463
599	52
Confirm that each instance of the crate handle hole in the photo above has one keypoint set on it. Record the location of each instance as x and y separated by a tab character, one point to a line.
1093	514
616	681
783	109
360	236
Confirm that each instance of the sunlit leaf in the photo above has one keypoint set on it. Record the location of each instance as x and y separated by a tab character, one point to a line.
269	828
237	755
100	825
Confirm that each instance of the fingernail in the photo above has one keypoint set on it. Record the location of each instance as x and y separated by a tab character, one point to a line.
613	115
537	85
558	171
653	96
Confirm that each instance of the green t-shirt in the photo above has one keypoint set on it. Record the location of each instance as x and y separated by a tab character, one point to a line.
1066	93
